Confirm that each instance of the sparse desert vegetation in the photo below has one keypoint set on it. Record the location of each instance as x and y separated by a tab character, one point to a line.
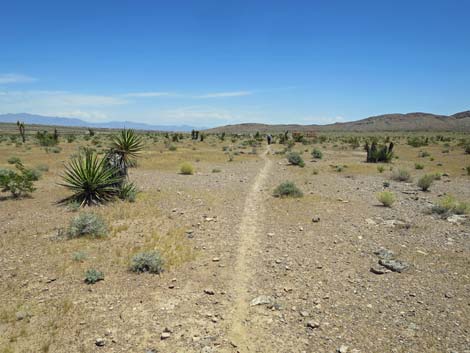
109	223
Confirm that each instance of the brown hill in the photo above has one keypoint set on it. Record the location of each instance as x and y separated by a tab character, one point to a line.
388	122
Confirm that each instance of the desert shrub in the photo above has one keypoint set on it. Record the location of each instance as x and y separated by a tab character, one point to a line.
79	256
87	223
401	175
186	169
295	158
419	166
47	139
417	141
467	168
424	183
18	182
386	184
70	138
128	191
380	168
92	276
14	160
172	148
150	261
467	148
449	205
386	198
317	153
216	170
287	189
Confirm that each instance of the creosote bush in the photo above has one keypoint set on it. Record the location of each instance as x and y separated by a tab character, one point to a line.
87	224
419	166
150	261
295	158
386	198
401	175
18	182
186	169
424	183
287	189
92	276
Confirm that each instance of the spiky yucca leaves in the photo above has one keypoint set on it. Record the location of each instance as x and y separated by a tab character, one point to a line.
91	179
125	147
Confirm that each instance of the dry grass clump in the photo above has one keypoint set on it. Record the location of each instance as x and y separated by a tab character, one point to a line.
401	175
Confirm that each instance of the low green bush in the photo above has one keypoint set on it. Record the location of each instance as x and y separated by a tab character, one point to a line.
317	153
295	158
87	224
186	169
92	276
386	198
287	189
450	205
150	261
19	182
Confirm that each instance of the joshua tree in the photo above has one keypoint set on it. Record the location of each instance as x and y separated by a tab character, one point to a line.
21	128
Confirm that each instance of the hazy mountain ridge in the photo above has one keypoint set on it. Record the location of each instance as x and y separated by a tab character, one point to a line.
417	121
74	122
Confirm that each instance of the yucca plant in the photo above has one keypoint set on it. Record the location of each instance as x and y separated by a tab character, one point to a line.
91	179
125	147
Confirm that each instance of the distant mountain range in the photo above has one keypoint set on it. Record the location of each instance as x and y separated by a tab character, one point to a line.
389	122
34	119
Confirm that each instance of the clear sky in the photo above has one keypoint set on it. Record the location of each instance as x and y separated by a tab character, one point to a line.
209	63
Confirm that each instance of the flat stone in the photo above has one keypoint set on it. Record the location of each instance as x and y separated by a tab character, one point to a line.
262	300
383	253
165	335
394	265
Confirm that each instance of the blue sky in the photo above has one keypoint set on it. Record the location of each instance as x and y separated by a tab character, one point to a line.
209	63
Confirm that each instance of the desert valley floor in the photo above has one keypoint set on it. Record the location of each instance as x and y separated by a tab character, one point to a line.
244	271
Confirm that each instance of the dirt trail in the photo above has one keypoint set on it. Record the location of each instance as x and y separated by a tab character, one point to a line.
248	234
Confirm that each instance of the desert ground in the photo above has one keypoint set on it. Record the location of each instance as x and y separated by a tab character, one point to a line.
244	271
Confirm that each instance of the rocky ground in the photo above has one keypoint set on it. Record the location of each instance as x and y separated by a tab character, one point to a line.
247	272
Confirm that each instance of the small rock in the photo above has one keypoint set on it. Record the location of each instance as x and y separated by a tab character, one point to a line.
100	342
315	219
384	253
215	259
209	291
165	335
21	315
457	219
304	313
343	349
262	300
394	265
313	324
